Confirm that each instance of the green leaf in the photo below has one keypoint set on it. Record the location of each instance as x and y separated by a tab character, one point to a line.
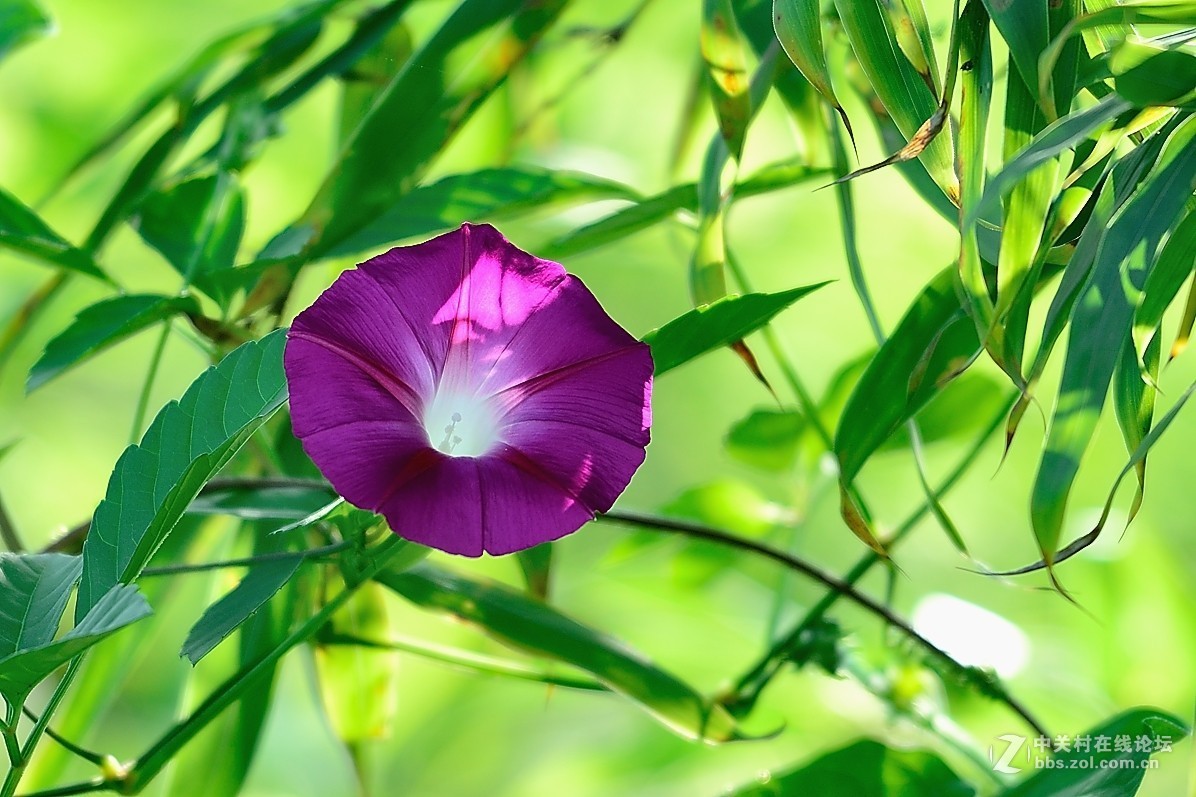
34	589
1146	74
267	502
768	439
186	444
21	21
865	768
536	565
21	671
226	615
728	504
1025	27
526	624
1104	311
1107	773
726	67
961	408
437	90
22	230
708	327
359	682
931	345
897	83
1175	264
798	27
648	212
100	326
196	224
485	194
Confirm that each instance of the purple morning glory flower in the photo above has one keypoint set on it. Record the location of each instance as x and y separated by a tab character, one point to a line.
476	396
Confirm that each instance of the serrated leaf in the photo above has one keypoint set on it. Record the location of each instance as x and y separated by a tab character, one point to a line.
437	90
485	194
186	444
1103	773
528	625
261	582
22	230
21	21
706	328
101	325
24	669
34	589
1104	311
864	768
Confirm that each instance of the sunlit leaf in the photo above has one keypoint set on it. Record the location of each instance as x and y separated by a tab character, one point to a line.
1146	74
186	444
1104	310
798	26
706	328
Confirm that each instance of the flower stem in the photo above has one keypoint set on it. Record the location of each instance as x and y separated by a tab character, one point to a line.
17	771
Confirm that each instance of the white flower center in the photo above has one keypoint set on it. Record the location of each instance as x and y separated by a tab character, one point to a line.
460	425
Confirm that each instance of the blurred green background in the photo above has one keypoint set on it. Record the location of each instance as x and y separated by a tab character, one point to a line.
458	733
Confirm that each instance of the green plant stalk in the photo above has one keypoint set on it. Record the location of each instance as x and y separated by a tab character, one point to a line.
148	385
749	687
17	771
152	761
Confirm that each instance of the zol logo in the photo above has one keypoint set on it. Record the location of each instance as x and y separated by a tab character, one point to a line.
1014	743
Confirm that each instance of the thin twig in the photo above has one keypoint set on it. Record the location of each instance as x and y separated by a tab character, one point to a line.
983	684
82	752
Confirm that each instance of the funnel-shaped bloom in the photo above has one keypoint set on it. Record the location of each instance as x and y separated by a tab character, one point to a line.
476	396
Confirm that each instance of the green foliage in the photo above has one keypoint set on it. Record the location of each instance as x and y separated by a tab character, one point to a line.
712	326
1075	209
868	769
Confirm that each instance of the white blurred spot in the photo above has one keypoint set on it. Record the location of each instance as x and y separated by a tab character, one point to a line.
972	635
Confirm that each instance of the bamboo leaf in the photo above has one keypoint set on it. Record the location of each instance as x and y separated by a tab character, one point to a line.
102	325
1104	311
1175	264
726	66
798	27
712	326
897	83
526	624
186	444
